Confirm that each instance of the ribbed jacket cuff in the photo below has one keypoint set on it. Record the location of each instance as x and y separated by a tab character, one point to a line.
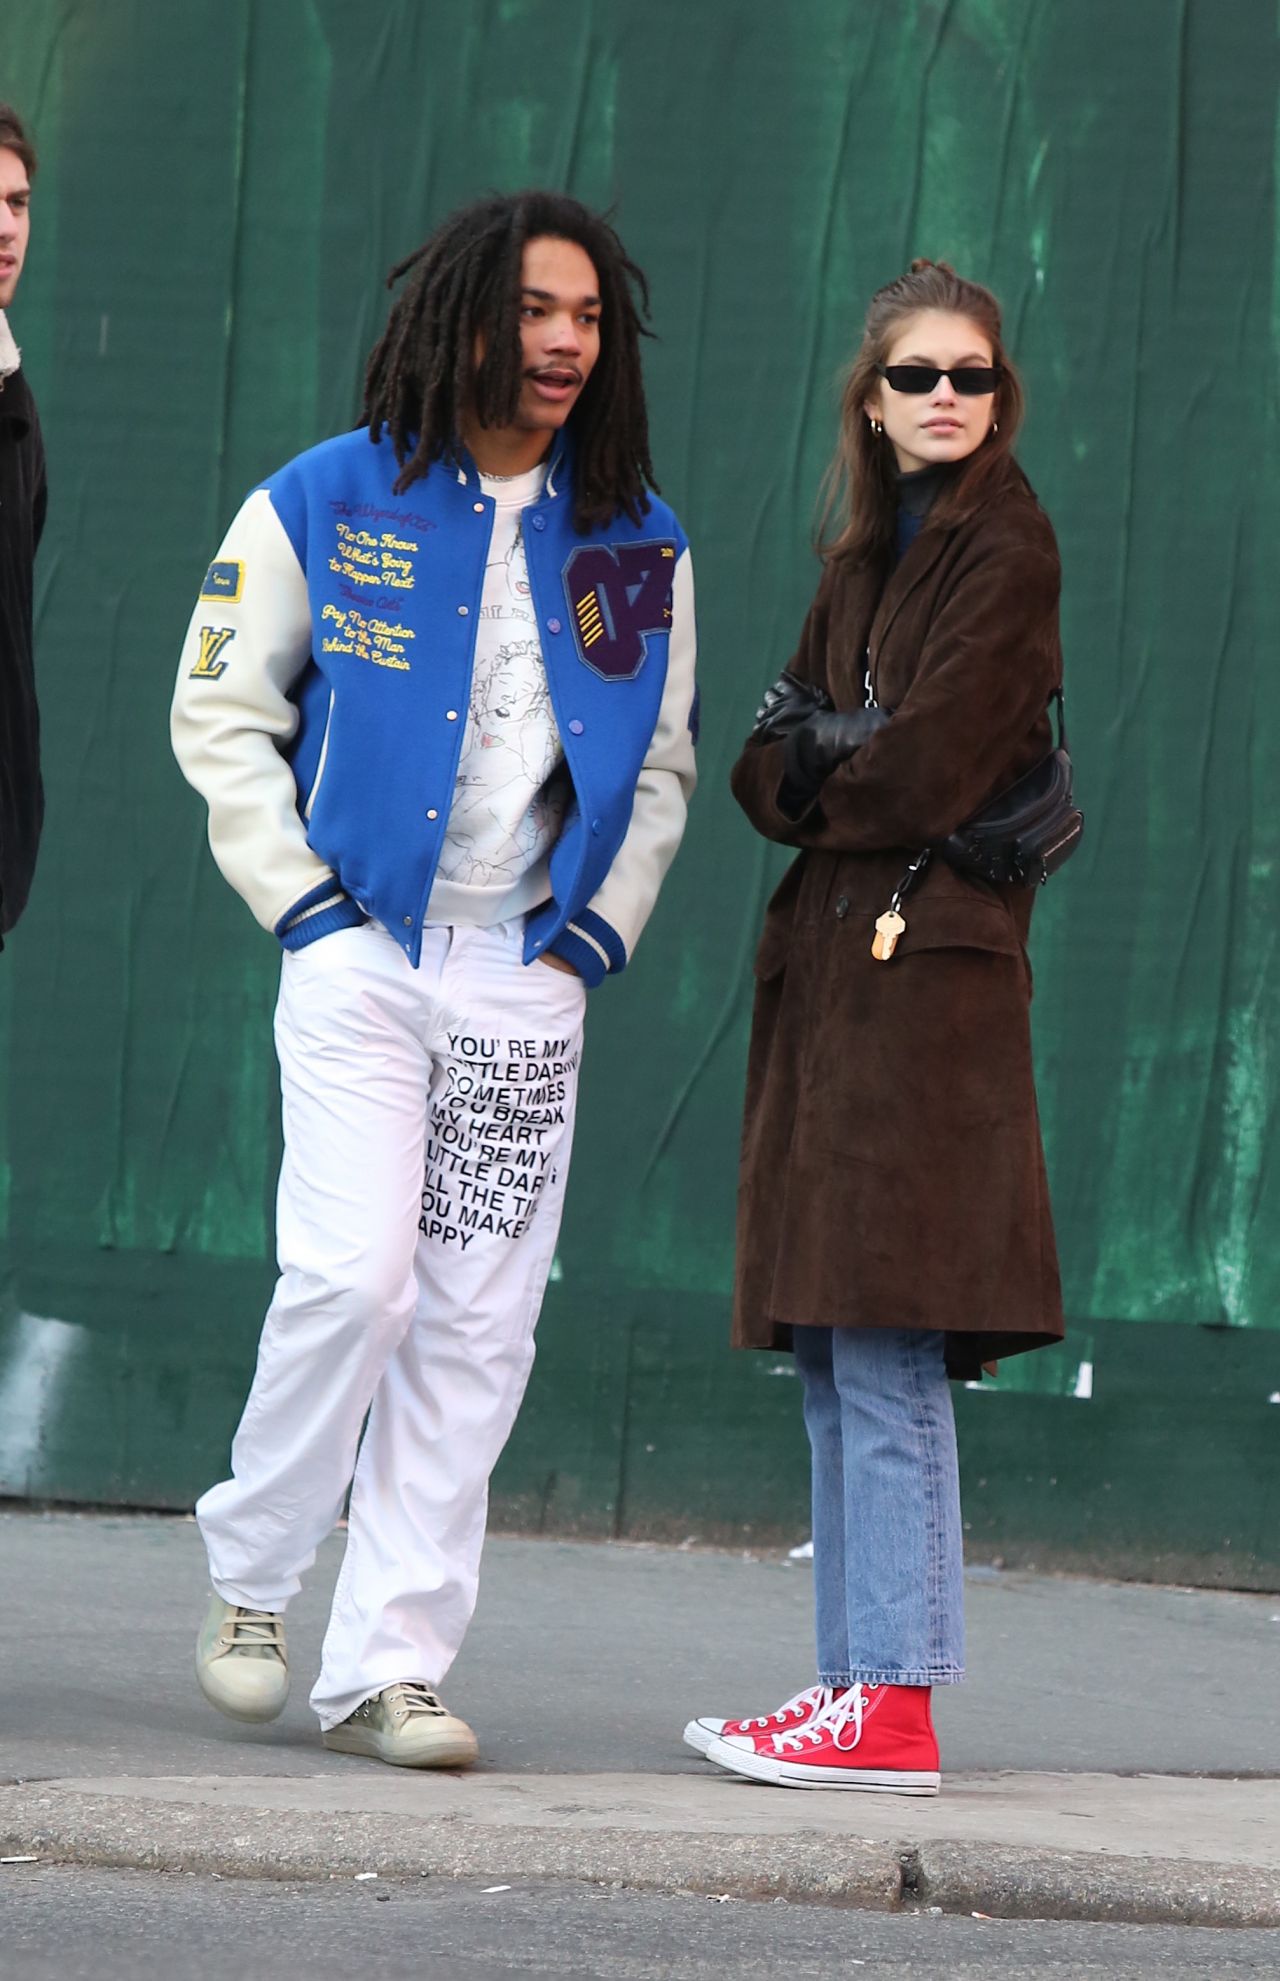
593	946
297	930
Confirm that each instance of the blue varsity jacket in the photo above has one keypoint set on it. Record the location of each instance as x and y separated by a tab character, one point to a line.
324	684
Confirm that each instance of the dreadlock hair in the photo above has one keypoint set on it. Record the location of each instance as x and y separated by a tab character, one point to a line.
464	282
862	479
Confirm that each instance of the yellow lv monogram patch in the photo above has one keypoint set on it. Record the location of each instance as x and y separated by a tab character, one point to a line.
212	640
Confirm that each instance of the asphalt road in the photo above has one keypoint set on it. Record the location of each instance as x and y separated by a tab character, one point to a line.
62	1924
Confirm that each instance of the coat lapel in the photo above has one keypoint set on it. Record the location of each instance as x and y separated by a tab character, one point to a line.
911	571
849	633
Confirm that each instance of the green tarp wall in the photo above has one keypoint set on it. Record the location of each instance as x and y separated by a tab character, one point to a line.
222	190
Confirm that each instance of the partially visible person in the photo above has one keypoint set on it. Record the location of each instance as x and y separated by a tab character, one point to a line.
894	1224
22	507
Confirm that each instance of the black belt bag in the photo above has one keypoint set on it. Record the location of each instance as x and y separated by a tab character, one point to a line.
1029	831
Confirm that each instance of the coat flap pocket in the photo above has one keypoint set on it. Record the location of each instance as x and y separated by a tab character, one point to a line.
956	924
773	948
779	918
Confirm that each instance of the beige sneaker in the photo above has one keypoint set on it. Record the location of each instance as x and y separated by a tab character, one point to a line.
406	1725
241	1662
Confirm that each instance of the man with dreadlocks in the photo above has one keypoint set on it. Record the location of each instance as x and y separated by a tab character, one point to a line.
438	695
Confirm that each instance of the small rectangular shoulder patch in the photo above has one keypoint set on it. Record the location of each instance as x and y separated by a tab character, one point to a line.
224	581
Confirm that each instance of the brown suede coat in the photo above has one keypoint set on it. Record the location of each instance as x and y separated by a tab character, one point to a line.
892	1169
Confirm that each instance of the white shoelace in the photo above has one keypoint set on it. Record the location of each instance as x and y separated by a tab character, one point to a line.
256	1630
832	1723
412	1697
815	1697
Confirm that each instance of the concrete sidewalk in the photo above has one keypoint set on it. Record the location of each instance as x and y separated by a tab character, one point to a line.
1116	1754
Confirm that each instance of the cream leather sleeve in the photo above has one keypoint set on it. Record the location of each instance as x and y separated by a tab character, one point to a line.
663	789
248	641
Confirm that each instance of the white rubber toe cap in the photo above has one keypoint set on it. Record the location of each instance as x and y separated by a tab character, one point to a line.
699	1734
249	1689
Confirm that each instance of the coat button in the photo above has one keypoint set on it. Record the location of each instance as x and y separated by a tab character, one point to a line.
408	921
451	715
595	827
553	625
575	727
433	813
539	522
462	611
478	507
842	907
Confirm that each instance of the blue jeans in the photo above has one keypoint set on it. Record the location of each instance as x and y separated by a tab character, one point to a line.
888	1548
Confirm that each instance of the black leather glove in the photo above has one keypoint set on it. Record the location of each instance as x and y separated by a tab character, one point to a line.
820	745
788	703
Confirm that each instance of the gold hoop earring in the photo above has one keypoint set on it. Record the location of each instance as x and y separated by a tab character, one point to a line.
877	428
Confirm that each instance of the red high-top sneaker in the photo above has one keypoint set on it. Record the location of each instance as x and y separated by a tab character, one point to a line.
870	1737
797	1712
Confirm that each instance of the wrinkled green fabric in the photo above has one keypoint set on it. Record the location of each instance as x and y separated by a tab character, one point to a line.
223	188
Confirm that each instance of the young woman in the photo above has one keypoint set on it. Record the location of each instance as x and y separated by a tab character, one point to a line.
894	1219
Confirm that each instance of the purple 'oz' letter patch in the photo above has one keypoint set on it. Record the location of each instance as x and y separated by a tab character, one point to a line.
618	597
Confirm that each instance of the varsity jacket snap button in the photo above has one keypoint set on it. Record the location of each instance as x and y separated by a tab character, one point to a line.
553	625
539	522
433	814
462	611
595	826
451	715
408	921
575	727
478	507
842	907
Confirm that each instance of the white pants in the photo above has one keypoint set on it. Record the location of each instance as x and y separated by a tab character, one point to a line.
428	1118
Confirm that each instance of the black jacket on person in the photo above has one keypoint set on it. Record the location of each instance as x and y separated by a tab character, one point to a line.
22	508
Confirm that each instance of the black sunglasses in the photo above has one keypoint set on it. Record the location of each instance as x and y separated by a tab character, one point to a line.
970	381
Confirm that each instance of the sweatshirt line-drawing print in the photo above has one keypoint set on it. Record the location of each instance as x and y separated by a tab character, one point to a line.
510	794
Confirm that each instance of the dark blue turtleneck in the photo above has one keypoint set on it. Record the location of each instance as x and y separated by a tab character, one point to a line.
917	493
